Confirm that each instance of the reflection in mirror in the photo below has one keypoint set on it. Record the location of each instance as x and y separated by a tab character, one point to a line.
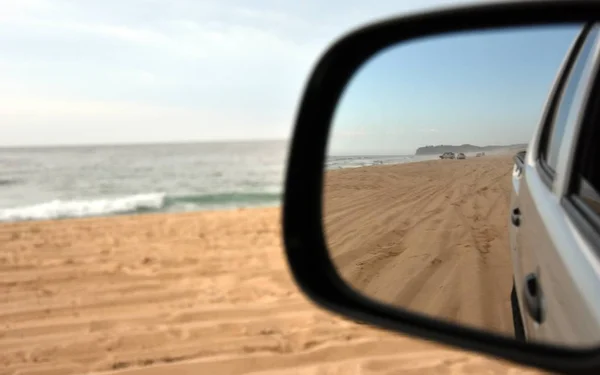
427	204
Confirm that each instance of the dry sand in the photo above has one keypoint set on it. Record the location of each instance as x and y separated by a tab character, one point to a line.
429	236
192	293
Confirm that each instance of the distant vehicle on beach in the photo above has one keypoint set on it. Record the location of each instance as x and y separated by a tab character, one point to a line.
461	156
480	154
447	155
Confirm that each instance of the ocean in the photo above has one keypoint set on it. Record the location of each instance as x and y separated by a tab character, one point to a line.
357	161
65	182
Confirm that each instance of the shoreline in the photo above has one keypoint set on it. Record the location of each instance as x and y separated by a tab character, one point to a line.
131	215
138	212
434	157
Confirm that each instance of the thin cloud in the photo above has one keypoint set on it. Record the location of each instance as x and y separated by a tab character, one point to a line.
227	61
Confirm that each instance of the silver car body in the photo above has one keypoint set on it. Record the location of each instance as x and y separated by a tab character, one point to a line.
548	244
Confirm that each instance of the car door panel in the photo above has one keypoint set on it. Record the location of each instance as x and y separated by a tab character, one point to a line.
549	247
514	210
547	239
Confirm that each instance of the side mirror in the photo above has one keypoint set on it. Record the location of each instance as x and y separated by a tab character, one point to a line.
383	219
519	159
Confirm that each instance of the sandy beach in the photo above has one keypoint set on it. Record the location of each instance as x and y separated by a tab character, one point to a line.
209	293
429	236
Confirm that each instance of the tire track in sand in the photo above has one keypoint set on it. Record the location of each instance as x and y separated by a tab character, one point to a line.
440	246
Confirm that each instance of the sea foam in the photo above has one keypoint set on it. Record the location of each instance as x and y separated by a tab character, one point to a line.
57	209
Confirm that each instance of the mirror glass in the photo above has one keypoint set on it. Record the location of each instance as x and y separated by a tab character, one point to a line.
427	206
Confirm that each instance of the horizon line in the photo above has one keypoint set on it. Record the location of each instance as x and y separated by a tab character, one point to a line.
142	143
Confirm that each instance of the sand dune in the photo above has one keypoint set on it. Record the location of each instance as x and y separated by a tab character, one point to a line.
429	236
194	293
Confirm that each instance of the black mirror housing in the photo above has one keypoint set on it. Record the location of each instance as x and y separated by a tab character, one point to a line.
304	239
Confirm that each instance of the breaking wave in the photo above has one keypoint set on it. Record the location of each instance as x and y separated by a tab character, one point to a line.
139	203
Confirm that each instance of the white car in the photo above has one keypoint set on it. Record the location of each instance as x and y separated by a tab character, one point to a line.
461	156
555	210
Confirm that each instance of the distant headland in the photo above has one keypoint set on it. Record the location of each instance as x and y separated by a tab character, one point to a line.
440	149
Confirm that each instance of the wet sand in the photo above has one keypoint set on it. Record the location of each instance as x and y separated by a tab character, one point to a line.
429	236
191	293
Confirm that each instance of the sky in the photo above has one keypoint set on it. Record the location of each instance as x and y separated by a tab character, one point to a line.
137	71
113	71
481	88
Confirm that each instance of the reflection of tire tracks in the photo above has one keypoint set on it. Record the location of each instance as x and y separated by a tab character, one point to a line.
377	260
412	288
409	292
424	196
415	208
481	197
356	262
351	224
506	188
421	205
352	264
501	191
495	316
482	233
477	231
359	228
348	215
490	311
495	201
416	198
345	214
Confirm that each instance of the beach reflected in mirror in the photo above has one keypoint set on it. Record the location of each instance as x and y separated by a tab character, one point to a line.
417	186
